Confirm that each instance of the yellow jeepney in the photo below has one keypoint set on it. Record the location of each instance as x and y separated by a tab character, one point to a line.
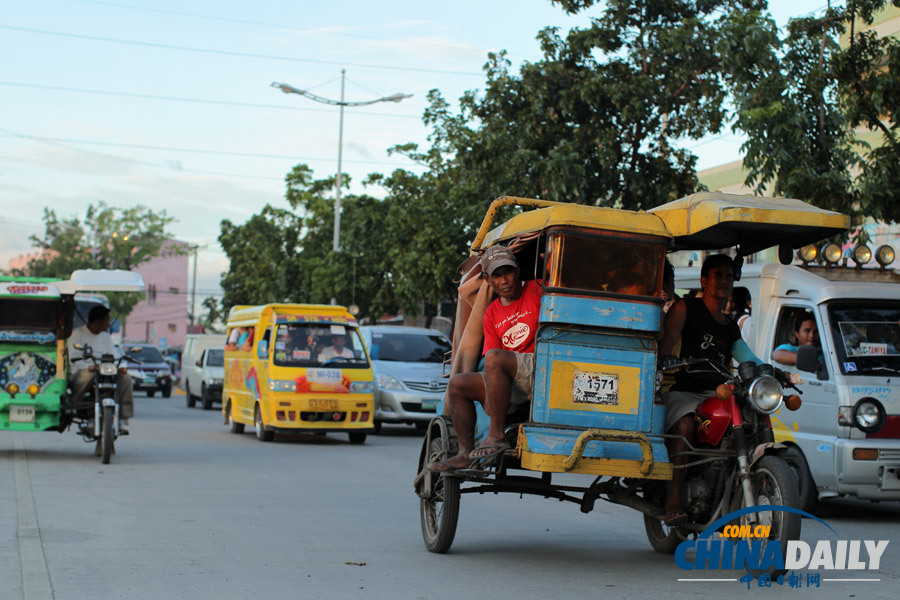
297	368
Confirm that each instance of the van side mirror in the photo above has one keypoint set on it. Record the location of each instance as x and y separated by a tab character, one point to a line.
262	349
199	363
808	359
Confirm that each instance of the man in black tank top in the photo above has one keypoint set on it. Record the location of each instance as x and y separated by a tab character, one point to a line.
705	332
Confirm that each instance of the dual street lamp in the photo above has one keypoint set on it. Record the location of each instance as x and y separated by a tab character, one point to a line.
289	89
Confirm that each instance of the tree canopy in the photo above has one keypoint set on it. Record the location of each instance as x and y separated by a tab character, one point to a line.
106	238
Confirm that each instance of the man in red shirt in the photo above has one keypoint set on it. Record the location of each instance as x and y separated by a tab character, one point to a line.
510	325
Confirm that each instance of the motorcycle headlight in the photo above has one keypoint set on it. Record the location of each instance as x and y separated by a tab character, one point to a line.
386	382
765	394
361	386
868	415
108	369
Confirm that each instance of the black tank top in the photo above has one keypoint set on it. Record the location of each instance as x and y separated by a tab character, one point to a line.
704	337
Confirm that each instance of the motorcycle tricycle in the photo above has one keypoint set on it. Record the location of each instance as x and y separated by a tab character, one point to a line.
596	408
36	319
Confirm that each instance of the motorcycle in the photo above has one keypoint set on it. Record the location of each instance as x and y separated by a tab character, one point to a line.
97	412
734	461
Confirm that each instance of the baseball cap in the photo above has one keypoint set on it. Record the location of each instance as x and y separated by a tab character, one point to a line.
496	257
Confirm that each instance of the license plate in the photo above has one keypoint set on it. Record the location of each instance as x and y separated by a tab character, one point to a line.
591	387
429	404
21	414
316	404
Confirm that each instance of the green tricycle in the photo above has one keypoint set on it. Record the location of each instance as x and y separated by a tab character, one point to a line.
37	316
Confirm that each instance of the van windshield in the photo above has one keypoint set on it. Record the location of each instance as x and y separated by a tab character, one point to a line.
867	336
215	358
316	345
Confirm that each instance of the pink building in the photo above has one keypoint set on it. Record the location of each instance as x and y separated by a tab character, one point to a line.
162	317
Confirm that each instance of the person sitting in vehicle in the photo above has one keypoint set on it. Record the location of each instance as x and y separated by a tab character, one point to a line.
81	374
509	326
335	350
805	333
241	338
705	332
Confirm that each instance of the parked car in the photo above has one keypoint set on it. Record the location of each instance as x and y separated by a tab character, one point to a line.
152	374
407	362
206	375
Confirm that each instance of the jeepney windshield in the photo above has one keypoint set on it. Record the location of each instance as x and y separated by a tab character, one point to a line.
315	345
605	264
867	336
29	321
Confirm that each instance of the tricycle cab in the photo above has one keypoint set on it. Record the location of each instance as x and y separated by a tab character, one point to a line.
36	319
594	408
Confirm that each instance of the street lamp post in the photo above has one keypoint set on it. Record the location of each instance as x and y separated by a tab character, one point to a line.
289	89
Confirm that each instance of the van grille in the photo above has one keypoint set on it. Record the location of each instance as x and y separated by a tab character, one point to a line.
429	387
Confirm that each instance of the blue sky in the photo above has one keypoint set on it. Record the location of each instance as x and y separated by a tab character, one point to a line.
168	104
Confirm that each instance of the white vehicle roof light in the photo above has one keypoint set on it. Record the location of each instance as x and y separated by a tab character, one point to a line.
807	254
831	252
765	394
861	255
884	255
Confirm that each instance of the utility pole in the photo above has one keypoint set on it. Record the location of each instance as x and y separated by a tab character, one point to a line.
194	288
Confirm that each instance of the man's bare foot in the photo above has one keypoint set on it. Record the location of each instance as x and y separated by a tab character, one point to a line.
460	461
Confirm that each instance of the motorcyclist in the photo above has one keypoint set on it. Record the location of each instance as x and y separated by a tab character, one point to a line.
95	334
705	332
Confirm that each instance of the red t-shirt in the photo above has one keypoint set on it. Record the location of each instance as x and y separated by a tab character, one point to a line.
513	327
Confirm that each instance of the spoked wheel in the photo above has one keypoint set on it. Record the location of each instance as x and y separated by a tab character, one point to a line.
439	512
663	538
106	442
773	483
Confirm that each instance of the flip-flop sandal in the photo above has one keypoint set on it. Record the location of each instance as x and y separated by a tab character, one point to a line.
674	519
489	451
442	466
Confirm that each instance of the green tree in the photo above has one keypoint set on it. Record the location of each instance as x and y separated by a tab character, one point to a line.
214	315
107	238
801	99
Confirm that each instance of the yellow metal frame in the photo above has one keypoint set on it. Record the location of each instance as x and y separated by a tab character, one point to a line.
549	214
576	462
560	395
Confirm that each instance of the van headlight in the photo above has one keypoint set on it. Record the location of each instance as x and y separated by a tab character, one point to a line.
282	385
386	382
765	394
869	415
361	386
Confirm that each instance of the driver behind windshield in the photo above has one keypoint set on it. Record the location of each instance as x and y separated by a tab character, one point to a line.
336	350
96	335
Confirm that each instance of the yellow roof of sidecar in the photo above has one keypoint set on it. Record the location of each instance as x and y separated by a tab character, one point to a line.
549	214
713	220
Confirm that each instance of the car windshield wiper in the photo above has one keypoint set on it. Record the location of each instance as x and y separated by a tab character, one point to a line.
879	368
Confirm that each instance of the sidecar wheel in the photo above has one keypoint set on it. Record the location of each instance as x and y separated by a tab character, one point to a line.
106	442
440	511
773	483
663	539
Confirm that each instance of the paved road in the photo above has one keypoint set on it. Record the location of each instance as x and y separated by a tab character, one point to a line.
188	510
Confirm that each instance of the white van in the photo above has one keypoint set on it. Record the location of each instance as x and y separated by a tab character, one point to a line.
845	438
192	376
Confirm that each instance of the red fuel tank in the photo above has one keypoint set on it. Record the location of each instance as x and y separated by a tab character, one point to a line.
711	420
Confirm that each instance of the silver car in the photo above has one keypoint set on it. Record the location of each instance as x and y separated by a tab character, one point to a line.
407	365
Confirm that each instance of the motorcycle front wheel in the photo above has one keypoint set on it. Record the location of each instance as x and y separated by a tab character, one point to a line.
106	442
773	483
